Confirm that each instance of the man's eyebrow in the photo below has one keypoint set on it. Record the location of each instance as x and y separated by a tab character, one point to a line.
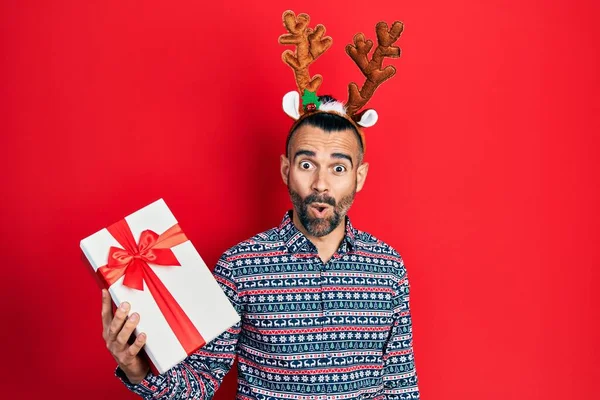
304	153
342	156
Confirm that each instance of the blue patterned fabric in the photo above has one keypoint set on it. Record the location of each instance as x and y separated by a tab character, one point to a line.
308	330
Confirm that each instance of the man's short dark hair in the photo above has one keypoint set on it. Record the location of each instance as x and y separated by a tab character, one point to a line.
329	123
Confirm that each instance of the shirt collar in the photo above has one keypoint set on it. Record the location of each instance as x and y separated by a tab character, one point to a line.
295	240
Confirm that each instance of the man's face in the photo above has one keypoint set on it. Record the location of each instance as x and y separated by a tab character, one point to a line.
323	176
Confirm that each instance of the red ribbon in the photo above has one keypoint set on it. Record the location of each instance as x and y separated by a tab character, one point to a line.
132	261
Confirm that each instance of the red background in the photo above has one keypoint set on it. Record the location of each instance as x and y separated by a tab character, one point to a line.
484	173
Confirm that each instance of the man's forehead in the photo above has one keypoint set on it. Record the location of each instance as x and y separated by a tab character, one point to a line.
313	138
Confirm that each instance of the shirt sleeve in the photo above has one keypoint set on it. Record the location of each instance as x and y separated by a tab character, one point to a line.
399	375
200	374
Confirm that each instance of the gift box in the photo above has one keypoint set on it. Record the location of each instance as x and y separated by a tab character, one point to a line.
146	260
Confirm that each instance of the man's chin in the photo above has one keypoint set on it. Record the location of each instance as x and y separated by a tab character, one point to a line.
319	227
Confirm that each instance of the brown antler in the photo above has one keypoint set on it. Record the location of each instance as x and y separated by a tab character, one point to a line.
310	44
372	69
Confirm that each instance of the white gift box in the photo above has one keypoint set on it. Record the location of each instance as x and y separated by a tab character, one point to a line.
191	284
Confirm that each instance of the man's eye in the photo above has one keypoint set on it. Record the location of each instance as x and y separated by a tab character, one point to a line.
305	165
339	169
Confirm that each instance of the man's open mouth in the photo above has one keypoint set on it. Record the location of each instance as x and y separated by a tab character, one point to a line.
319	209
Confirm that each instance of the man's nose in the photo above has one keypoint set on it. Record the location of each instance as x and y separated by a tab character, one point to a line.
320	181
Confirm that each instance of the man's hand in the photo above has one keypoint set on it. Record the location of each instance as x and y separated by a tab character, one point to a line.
117	332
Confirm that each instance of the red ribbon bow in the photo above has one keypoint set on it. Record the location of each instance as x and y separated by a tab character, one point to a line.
132	261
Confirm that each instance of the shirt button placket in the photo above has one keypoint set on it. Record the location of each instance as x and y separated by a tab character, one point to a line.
316	261
326	311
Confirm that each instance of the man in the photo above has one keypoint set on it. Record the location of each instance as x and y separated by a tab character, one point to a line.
324	307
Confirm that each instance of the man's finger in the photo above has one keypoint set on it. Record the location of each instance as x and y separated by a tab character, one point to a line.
128	328
135	348
117	323
106	311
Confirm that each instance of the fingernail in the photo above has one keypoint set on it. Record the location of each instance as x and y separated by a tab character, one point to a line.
142	336
134	317
124	306
103	294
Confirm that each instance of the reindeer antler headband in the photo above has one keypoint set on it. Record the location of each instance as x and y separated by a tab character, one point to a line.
310	44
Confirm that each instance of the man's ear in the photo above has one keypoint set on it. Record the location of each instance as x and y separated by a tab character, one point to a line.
284	168
361	175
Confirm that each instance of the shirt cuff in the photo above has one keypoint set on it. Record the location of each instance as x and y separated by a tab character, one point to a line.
144	388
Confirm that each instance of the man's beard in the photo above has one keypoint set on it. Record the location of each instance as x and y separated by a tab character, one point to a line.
319	227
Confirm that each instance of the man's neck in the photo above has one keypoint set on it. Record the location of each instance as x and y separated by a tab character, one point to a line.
326	245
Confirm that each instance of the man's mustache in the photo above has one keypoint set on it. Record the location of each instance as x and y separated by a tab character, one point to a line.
314	198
